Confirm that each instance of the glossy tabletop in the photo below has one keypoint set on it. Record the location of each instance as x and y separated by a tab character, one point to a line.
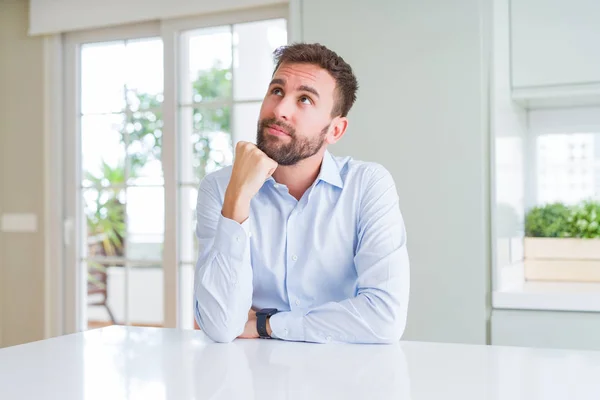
151	363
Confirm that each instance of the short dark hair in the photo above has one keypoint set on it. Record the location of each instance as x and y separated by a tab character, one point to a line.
340	70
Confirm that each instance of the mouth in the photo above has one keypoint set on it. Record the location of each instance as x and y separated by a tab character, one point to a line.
277	131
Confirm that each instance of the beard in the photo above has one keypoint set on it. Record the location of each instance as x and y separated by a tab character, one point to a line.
286	154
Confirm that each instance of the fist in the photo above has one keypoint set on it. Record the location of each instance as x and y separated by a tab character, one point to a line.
251	168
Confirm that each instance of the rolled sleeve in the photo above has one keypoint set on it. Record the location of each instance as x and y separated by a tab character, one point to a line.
288	325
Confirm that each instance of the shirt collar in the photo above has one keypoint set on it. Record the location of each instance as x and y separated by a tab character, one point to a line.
330	172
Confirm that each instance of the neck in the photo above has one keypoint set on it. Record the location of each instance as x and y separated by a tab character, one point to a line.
299	177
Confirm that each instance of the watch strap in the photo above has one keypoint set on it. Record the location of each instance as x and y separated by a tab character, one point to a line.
262	316
261	326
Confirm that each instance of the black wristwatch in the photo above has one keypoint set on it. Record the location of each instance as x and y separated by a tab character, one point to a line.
261	321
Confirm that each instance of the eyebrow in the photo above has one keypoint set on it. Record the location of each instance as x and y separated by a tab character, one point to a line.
309	90
278	81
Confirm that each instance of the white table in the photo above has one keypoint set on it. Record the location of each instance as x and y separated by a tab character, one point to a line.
150	363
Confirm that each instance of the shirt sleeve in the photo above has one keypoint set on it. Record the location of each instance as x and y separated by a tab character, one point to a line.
223	274
378	312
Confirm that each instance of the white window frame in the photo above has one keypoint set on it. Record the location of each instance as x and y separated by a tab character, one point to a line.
63	280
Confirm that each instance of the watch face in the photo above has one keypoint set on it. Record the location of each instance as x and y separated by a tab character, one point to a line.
267	311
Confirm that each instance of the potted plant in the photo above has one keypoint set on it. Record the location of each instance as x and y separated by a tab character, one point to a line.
561	243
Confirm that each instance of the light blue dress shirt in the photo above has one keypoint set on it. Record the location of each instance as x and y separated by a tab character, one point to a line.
334	264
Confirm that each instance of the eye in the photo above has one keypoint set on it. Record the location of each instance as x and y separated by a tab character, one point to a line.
305	100
277	91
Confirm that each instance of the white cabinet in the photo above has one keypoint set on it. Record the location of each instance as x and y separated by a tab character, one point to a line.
551	329
555	43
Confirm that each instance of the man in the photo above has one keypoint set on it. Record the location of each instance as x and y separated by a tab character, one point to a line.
297	244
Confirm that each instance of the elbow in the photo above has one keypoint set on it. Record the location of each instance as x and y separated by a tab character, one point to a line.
219	328
220	333
388	335
222	336
390	331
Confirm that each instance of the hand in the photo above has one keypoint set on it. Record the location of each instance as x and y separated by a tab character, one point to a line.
250	331
251	169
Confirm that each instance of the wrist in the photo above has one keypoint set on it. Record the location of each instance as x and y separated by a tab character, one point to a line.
263	323
236	206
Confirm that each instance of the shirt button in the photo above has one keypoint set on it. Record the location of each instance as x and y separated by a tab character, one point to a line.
237	238
276	186
328	338
294	258
297	302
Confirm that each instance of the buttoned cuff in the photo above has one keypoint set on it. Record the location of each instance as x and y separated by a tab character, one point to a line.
232	238
288	325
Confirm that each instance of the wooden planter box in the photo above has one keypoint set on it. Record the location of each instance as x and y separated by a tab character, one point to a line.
568	260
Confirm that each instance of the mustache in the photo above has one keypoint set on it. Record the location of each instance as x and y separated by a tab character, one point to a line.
274	122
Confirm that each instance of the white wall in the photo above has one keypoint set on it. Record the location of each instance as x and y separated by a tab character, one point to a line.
422	112
21	176
67	15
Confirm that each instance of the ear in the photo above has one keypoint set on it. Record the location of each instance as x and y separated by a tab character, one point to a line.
337	129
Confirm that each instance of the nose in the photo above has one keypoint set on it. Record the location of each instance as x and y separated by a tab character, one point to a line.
283	110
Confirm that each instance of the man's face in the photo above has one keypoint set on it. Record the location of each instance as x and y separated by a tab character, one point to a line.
295	117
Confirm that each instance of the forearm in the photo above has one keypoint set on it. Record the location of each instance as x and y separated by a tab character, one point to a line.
356	320
377	314
223	283
223	278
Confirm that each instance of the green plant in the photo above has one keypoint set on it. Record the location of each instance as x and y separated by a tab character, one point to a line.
106	214
584	221
550	220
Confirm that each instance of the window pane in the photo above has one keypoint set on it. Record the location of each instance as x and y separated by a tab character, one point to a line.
146	295
253	56
104	211
145	223
144	73
205	143
567	167
186	296
145	147
209	65
102	150
245	122
103	77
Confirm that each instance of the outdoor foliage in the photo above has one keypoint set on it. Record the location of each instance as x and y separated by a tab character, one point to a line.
142	131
